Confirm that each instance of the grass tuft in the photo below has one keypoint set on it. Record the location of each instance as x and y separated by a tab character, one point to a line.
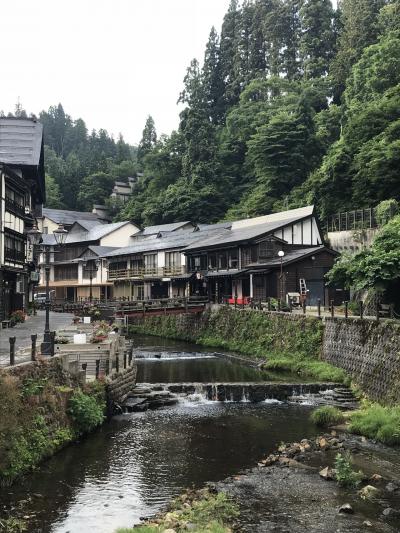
327	416
377	422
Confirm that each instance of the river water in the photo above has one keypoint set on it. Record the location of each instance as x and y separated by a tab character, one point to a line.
133	465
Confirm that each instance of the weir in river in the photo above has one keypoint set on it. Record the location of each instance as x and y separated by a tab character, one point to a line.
136	463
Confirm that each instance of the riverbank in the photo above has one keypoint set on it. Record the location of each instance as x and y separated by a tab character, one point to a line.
278	341
44	408
294	490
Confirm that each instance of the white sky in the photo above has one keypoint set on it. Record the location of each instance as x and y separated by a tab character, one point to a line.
110	62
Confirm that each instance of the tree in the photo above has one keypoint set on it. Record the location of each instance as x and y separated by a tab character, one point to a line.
212	78
95	189
53	195
359	21
228	50
317	37
149	139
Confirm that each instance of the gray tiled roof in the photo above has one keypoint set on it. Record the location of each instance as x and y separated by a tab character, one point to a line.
66	217
93	234
20	141
170	241
173	226
242	234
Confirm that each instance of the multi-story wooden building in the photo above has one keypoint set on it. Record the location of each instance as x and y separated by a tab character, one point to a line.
22	191
76	269
263	257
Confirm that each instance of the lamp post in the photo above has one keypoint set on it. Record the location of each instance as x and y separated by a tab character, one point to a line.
35	238
281	254
93	267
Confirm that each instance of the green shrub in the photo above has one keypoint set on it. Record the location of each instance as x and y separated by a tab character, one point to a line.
344	473
12	525
377	422
86	411
327	416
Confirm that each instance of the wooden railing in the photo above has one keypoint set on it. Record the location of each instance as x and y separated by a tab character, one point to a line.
140	273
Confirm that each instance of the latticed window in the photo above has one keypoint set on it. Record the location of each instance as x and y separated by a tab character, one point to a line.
266	249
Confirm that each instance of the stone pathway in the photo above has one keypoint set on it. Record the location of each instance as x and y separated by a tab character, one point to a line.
23	332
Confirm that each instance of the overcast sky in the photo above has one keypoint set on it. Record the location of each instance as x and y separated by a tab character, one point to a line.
110	62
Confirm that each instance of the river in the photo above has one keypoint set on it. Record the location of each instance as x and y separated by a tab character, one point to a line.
134	464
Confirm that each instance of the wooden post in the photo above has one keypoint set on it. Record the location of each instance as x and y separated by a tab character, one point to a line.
107	367
361	310
97	368
144	308
332	308
319	307
279	304
242	301
186	304
125	356
52	342
235	302
391	311
346	309
12	350
117	363
259	305
33	347
304	307
130	357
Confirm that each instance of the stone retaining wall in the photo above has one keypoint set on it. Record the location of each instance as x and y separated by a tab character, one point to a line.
369	352
118	387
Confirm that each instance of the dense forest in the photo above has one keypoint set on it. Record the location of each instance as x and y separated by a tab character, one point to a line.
294	103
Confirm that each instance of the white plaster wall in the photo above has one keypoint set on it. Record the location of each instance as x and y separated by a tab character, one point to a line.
120	237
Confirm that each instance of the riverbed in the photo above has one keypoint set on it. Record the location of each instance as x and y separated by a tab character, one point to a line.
133	465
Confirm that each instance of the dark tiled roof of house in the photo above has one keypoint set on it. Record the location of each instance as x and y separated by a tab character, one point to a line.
67	217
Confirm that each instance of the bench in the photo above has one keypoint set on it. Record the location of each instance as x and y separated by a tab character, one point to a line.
5	324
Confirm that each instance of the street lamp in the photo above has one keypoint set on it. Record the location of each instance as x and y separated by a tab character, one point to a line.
91	269
281	254
35	238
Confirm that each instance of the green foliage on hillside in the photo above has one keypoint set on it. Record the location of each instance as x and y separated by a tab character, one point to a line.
295	103
376	267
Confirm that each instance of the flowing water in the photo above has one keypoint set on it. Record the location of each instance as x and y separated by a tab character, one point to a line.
133	465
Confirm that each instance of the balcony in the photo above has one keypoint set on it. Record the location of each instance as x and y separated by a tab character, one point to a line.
148	272
14	207
14	256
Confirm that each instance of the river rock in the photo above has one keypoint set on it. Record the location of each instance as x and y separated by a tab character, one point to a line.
391	487
376	478
346	508
368	492
327	473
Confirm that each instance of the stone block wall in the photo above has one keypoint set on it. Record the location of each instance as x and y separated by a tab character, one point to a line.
369	352
118	387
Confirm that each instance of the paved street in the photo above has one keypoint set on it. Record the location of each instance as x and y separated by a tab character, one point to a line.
23	332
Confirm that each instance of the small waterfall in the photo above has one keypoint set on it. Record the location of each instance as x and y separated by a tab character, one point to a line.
245	395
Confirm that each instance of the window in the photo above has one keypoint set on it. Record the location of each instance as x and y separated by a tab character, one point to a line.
222	261
15	201
65	272
212	261
266	249
150	264
233	258
14	248
172	259
89	269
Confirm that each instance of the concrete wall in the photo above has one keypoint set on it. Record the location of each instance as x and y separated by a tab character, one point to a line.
369	352
351	241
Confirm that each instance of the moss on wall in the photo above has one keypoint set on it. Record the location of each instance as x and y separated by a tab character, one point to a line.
284	342
40	414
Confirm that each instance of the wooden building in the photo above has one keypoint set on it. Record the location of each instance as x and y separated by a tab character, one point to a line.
22	191
263	257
